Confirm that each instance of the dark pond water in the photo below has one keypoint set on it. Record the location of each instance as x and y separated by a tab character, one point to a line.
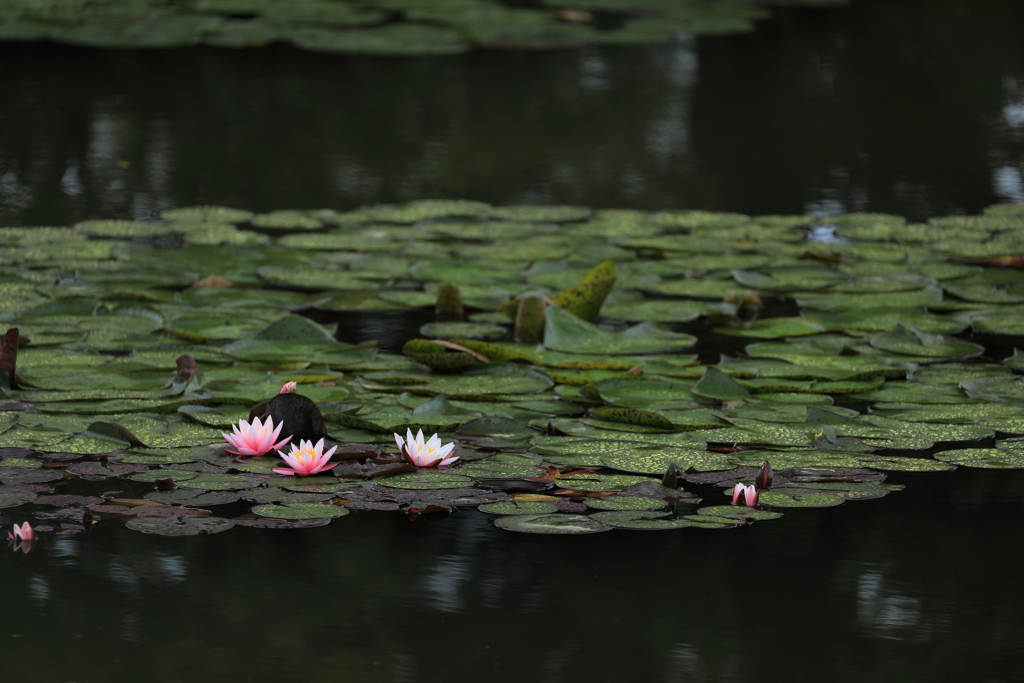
909	107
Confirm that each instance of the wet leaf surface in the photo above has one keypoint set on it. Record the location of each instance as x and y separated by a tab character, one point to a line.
551	524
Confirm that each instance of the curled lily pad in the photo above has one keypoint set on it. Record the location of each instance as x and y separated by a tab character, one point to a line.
179	526
551	524
639	520
300	511
517	508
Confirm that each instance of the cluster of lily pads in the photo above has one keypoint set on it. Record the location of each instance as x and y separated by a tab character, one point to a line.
558	358
390	27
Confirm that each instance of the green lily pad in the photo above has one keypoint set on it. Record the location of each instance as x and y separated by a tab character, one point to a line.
425	480
217	482
179	526
300	511
551	524
799	499
738	512
639	520
656	462
600	482
565	332
514	508
625	503
902	341
987	458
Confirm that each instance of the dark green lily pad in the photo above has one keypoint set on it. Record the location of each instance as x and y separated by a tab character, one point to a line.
300	511
192	497
799	499
551	524
160	474
987	458
600	482
738	512
514	508
565	332
179	526
656	462
639	520
425	480
13	497
625	503
217	482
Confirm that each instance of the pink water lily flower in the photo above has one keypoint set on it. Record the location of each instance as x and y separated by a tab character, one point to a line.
307	459
288	388
428	454
256	438
22	533
744	495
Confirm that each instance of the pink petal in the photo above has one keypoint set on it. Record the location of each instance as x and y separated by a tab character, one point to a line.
284	471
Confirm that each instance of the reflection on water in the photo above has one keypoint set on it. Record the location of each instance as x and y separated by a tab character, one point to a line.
874	106
912	587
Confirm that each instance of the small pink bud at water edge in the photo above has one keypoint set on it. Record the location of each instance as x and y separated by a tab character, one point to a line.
288	388
744	495
22	533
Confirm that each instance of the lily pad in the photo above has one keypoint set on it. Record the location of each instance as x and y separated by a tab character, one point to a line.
179	526
565	332
300	511
551	524
987	458
799	499
514	508
639	520
625	503
425	480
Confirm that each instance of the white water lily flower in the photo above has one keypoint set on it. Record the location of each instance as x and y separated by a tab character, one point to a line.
425	454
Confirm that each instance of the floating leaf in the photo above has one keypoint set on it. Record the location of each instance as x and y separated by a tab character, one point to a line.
300	511
425	480
179	526
518	508
551	524
566	332
639	520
